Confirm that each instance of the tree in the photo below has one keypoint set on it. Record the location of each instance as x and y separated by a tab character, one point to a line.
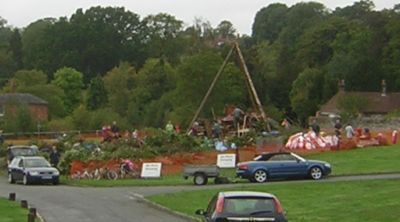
97	94
306	93
163	36
225	30
6	60
71	82
25	78
194	78
269	22
34	42
52	94
16	49
119	82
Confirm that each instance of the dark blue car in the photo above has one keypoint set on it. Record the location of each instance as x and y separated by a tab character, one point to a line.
33	169
281	165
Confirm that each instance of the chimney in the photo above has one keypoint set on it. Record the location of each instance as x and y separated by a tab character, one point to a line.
341	85
383	84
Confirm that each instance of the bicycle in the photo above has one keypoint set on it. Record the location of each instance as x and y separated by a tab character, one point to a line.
105	173
126	172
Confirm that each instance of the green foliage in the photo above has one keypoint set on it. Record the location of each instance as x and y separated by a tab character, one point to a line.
350	106
119	82
71	81
59	125
306	93
97	94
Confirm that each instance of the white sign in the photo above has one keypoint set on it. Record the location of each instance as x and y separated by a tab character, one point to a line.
151	170
226	160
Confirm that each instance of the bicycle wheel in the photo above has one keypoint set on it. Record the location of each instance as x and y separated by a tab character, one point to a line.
112	175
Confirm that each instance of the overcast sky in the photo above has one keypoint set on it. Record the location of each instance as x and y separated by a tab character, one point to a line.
19	13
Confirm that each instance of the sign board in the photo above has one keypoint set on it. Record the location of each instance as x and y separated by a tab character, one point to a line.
226	160
151	170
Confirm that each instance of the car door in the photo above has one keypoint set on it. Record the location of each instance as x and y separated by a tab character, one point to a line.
211	208
292	166
275	166
19	170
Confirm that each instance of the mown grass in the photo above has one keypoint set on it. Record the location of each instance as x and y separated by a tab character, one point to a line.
363	160
358	161
12	212
368	201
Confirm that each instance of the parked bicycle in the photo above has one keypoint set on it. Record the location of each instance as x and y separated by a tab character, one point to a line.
105	173
128	170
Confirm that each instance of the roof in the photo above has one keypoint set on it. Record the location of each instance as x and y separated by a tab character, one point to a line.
24	98
246	194
376	102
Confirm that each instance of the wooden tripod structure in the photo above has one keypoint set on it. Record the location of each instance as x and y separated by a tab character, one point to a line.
249	83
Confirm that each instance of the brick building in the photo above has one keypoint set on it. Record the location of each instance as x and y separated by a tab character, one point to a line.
37	106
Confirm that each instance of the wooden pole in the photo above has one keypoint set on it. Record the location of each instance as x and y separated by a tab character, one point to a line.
250	83
221	69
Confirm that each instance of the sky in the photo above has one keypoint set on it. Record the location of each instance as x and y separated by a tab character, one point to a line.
20	13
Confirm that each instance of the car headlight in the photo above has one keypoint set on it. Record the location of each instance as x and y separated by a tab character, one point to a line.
56	173
33	173
327	165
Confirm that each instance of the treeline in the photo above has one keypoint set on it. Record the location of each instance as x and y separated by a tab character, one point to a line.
106	64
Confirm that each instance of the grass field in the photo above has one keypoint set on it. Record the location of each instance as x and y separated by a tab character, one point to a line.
363	160
358	161
11	211
367	201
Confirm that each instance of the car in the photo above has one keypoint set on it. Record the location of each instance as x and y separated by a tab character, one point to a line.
21	150
281	165
33	169
243	206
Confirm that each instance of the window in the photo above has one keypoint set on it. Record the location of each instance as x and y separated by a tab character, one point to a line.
212	205
283	157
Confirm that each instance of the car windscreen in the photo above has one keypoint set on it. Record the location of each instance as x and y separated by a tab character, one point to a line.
249	206
24	151
31	163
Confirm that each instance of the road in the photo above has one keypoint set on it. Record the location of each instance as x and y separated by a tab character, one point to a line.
66	204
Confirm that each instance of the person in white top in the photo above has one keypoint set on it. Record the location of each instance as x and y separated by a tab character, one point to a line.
349	131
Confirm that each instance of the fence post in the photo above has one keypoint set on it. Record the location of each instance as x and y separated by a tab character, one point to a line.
32	211
24	204
12	196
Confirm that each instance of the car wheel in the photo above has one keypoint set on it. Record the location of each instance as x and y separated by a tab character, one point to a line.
10	178
56	181
316	173
25	180
260	176
200	179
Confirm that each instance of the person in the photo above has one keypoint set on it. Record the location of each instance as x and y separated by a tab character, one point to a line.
315	127
338	127
237	115
1	137
10	155
115	130
285	123
216	130
194	129
349	131
169	127
394	136
54	157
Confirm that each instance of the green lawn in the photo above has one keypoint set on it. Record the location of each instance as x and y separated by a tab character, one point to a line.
363	160
367	201
357	161
12	212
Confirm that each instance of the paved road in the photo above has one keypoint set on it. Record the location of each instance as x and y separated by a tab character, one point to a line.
66	204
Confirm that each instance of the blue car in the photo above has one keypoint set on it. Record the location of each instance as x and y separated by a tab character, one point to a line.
33	169
281	165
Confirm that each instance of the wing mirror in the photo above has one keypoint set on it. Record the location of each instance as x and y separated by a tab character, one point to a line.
200	212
